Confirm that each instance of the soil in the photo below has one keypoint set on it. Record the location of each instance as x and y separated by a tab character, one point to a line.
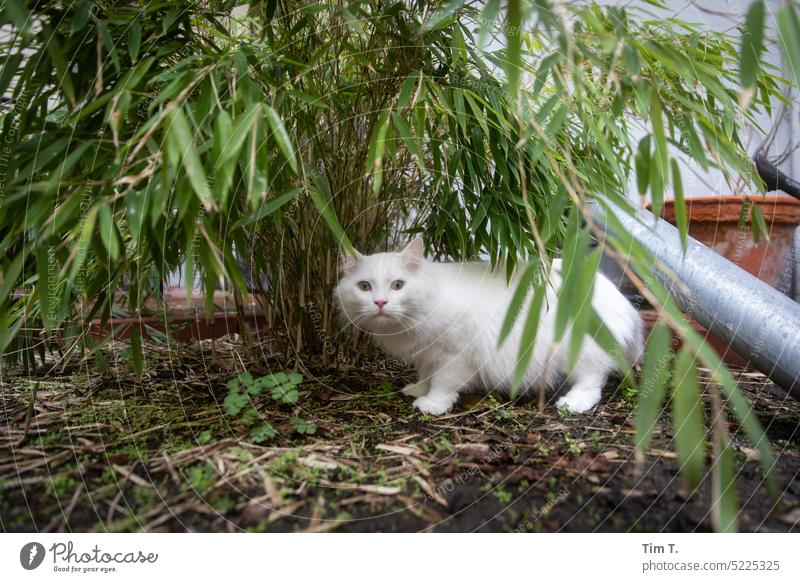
99	450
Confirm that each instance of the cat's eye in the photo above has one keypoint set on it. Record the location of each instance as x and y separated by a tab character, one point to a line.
397	285
364	285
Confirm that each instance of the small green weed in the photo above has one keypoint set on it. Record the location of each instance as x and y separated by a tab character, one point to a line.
283	388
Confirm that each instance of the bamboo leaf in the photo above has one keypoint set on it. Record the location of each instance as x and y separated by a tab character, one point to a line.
181	146
135	40
376	148
272	206
789	37
9	276
642	164
528	339
655	374
443	16
680	204
230	148
108	232
687	416
752	44
18	13
759	225
582	297
525	284
724	505
513	31
407	88
45	285
321	196
354	23
659	166
575	247
488	17
404	131
64	77
281	136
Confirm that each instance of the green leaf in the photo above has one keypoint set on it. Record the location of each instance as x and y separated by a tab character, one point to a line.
135	40
406	89
659	166
9	275
642	164
759	225
655	373
263	433
576	244
45	286
789	37
353	23
752	44
18	13
223	164
230	148
528	338
137	356
582	297
724	505
108	232
324	205
376	148
525	284
63	76
302	426
281	136
488	17
513	31
687	417
286	393
234	402
84	241
680	204
181	148
445	15
271	206
9	71
404	131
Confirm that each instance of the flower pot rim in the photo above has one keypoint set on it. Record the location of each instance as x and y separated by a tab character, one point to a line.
777	209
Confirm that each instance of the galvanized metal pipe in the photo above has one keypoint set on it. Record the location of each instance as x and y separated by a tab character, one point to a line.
760	323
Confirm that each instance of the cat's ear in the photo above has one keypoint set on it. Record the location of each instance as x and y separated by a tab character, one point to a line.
348	262
412	254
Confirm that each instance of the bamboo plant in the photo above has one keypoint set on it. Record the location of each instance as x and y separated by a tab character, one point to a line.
144	138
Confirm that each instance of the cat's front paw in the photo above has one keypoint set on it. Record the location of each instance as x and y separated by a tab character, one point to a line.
431	406
578	403
419	389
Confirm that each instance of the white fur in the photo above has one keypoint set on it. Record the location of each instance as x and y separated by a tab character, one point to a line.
446	321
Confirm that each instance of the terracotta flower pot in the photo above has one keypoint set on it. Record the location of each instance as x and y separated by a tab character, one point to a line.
714	221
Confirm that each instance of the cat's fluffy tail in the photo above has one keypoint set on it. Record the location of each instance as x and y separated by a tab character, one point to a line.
635	348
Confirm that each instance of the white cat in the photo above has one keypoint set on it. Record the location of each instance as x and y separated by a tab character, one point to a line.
445	319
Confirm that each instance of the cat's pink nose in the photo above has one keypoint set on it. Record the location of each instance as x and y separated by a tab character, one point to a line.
380	302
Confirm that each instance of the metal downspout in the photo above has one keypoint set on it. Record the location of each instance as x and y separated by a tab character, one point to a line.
760	323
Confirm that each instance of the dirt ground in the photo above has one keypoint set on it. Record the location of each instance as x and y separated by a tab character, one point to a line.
102	451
